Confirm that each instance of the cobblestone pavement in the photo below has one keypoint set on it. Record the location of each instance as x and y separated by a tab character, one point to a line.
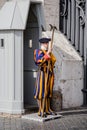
67	122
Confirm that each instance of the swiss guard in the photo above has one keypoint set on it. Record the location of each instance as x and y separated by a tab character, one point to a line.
45	61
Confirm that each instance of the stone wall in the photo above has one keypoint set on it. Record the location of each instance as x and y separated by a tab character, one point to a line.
51	10
2	2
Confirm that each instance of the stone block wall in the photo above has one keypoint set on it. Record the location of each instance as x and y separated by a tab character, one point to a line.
51	10
2	2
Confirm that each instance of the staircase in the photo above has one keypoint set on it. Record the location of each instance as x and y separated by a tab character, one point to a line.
73	24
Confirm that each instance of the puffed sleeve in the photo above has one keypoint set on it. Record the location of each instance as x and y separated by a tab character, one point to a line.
39	57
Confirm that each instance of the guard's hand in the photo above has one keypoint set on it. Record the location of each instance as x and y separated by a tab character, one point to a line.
49	51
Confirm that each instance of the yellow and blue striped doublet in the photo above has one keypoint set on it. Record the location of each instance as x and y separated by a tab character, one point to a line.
43	88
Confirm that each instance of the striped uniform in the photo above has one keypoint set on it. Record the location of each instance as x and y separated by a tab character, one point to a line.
45	77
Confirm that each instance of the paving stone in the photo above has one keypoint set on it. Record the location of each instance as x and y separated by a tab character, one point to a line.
67	122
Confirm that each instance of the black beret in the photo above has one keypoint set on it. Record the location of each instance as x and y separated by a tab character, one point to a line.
44	40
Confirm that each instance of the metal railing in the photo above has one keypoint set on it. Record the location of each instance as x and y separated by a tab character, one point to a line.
73	24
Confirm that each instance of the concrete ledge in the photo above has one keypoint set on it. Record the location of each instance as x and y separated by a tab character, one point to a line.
71	112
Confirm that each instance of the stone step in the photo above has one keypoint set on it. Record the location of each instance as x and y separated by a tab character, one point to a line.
80	110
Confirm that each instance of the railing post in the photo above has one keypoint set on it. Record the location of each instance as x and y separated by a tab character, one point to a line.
73	21
81	40
85	55
82	25
77	28
69	20
63	14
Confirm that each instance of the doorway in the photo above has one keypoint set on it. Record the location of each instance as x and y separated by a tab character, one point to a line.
31	36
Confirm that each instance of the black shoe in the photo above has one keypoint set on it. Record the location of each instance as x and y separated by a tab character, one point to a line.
51	113
44	115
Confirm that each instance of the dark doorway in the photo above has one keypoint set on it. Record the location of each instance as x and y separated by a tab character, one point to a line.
31	36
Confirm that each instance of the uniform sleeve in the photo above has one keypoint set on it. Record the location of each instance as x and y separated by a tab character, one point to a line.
39	57
53	59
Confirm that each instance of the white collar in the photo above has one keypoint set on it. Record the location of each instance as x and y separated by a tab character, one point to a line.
43	47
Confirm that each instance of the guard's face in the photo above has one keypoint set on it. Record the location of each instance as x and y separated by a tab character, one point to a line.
45	45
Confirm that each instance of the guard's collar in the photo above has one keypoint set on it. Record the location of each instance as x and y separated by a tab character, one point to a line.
43	48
